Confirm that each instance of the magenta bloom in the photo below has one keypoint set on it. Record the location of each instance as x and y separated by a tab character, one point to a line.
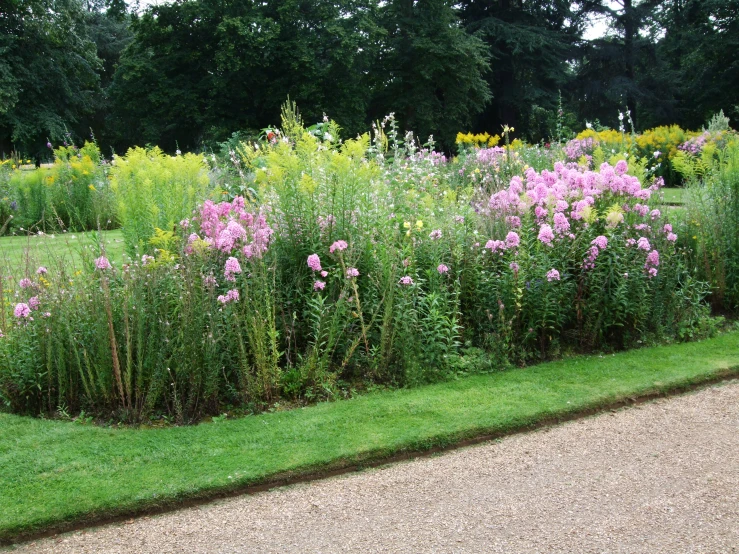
667	228
406	280
34	302
22	310
232	267
102	263
512	240
552	275
652	258
513	220
352	272
652	272
643	244
314	262
655	214
672	237
435	234
324	273
561	225
319	285
442	269
338	245
42	271
546	235
26	283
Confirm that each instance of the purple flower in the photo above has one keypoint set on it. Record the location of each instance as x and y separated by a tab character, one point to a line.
672	237
442	269
622	167
314	262
42	271
652	272
102	263
34	302
435	234
546	235
512	240
338	245
561	225
319	285
352	272
406	280
514	221
514	266
22	310
667	228
26	283
643	244
48	145
654	214
552	275
652	259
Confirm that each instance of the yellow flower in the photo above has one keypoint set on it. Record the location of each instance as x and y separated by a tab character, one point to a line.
419	224
91	187
407	225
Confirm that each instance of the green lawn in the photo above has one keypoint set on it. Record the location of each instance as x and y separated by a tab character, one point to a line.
23	254
674	196
56	472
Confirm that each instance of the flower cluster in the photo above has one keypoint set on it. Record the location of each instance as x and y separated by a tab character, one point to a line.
229	227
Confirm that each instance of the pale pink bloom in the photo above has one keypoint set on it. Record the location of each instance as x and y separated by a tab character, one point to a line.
34	302
232	267
654	214
600	241
230	296
512	240
652	259
435	234
672	237
102	263
546	235
514	266
553	275
324	273
406	280
442	269
643	244
146	260
26	283
667	228
314	262
22	310
652	272
352	272
42	271
319	285
338	245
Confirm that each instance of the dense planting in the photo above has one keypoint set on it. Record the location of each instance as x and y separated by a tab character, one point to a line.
334	265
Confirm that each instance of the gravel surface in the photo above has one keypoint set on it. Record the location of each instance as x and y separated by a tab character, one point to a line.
659	477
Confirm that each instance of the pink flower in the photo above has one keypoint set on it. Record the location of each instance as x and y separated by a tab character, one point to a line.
652	259
514	221
210	281
319	285
42	271
654	214
230	296
22	310
46	314
192	238
495	245
34	302
512	240
232	267
338	245
352	272
600	241
552	275
546	235
406	280
652	272
621	167
442	269
102	263
314	262
435	234
672	237
324	273
514	267
146	260
26	283
561	225
540	212
643	244
667	228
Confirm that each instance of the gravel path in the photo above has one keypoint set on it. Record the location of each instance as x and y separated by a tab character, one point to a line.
660	477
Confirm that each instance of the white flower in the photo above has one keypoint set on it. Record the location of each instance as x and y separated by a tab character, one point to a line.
328	137
588	125
620	116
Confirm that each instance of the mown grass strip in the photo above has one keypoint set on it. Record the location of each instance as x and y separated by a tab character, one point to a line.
55	474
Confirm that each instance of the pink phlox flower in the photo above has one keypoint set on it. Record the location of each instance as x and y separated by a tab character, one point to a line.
352	272
652	259
672	237
338	245
512	240
26	283
641	226
546	235
210	281
324	273
406	280
314	262
230	296
102	263
652	272
553	275
435	234
442	269
34	302
495	245
540	212
561	225
630	242
232	267
600	241
513	221
641	209
319	285
42	271
22	310
655	214
643	244
667	228
514	266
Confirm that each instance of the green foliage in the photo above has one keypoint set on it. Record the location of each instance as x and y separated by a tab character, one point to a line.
153	190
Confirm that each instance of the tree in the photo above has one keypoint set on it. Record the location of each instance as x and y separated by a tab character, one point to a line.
48	72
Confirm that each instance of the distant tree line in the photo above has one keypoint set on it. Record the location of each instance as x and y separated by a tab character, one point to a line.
190	73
